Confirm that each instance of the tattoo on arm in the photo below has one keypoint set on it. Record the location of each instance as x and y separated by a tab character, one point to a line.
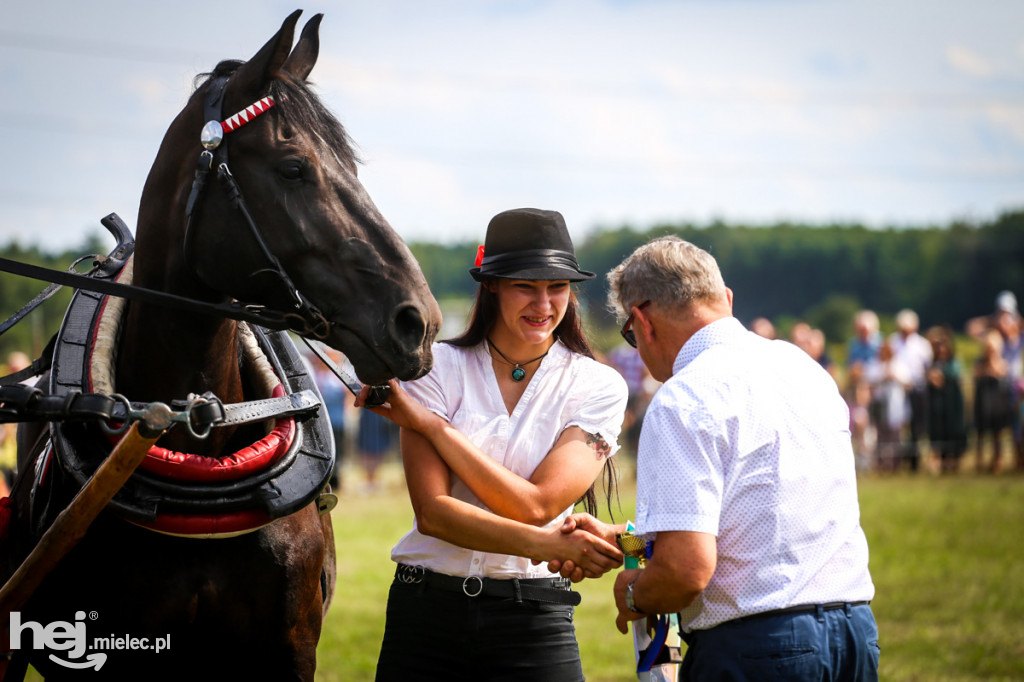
599	445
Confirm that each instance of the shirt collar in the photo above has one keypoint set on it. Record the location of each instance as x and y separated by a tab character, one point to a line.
709	335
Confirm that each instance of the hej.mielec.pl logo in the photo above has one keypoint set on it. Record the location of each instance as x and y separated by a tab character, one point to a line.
71	638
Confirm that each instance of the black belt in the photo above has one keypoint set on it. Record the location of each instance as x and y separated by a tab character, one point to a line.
802	608
549	590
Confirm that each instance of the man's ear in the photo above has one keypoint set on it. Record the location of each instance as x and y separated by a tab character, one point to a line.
643	324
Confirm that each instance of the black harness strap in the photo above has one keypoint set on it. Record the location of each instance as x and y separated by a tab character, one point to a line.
215	152
20	403
232	310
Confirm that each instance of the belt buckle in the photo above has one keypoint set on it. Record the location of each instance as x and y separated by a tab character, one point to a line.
465	586
410	575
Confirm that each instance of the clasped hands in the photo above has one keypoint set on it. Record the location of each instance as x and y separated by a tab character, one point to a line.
586	547
594	566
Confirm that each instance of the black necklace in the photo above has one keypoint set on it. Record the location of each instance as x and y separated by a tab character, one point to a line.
518	373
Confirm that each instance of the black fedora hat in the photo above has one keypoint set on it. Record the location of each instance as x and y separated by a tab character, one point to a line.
528	243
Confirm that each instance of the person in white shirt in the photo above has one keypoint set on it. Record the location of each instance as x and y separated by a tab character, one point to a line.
506	433
914	352
745	485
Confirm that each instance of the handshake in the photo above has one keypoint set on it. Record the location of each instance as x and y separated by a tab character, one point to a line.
582	547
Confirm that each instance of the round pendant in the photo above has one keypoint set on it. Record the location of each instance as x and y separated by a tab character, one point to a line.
518	374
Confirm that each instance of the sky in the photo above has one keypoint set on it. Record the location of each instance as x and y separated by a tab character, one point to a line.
889	113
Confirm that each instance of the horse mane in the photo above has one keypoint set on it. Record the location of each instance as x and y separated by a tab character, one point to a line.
298	104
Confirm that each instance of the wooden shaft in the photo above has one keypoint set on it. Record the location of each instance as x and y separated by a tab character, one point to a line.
72	523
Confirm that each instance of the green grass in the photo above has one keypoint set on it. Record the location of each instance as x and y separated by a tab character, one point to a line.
947	558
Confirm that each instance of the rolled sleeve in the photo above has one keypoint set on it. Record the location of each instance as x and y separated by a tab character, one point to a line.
603	408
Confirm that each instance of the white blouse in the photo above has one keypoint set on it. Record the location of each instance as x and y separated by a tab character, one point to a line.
567	389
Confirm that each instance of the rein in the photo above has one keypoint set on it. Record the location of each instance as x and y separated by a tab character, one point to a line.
233	310
214	151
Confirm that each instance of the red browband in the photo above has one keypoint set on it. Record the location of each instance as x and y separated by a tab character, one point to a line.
249	113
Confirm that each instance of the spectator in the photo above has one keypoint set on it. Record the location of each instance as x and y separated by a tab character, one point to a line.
763	327
947	432
858	399
812	342
626	360
375	439
992	399
890	410
864	345
337	400
915	353
1006	320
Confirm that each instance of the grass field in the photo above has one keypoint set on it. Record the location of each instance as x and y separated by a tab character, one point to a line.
947	558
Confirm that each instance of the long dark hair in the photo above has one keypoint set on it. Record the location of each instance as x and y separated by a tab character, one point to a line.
569	331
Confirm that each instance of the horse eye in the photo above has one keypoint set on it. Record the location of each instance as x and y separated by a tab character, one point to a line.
290	170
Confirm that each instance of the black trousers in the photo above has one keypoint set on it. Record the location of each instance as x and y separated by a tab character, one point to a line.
439	635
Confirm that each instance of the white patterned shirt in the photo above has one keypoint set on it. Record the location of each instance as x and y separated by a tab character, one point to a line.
749	441
566	390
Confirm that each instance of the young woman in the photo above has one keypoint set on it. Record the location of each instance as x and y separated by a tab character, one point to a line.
507	432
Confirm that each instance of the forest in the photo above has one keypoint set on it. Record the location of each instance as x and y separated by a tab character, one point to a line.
786	272
820	274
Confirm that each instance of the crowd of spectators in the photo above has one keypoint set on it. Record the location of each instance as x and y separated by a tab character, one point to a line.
911	401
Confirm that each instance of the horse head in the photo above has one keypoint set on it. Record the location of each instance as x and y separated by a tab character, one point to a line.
283	221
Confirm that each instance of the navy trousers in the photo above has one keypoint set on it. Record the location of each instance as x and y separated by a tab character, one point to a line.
438	635
839	645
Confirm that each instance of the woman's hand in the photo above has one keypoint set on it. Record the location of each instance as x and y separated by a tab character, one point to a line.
584	523
579	552
401	408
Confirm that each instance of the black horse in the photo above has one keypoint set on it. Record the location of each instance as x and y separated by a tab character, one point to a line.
217	550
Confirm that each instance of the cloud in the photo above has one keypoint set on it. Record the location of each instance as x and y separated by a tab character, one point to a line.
610	111
968	62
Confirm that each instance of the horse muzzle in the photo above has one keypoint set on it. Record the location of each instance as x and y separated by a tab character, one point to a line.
397	346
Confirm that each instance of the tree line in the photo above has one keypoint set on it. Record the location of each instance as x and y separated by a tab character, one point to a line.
818	273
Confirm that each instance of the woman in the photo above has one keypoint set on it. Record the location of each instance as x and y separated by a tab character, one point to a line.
507	432
947	431
992	399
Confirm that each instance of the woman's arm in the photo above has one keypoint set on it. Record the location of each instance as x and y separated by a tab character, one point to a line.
567	471
440	515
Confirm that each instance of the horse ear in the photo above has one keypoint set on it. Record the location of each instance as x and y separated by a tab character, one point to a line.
252	75
300	62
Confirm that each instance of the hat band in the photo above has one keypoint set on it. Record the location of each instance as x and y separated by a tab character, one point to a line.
520	260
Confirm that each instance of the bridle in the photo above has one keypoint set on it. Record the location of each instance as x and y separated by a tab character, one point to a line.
305	319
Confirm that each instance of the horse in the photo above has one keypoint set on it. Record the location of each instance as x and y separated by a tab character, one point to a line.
232	576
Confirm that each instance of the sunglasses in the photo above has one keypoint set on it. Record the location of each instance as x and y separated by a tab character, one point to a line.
626	331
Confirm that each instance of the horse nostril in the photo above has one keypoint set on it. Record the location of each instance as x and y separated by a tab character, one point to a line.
408	327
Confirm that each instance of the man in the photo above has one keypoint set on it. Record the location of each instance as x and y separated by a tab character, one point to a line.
863	347
914	352
746	484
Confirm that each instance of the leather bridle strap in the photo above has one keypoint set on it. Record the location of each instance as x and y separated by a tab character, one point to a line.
215	151
233	310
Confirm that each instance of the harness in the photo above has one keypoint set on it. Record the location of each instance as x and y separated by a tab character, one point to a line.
185	494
